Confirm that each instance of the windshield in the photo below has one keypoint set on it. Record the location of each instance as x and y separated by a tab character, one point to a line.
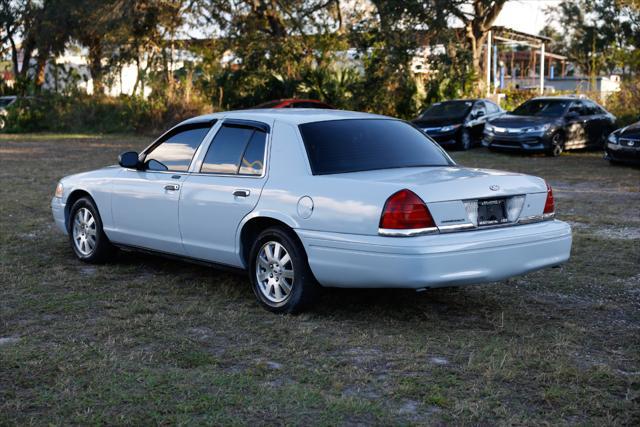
6	101
341	146
542	107
447	109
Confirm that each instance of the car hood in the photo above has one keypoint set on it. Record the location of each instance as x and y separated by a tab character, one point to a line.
631	131
438	122
511	121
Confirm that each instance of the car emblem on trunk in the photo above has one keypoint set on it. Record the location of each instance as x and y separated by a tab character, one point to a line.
494	187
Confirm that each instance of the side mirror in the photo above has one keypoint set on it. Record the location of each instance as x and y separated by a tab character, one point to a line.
572	115
128	160
479	114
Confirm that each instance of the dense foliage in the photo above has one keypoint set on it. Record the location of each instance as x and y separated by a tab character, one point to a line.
355	55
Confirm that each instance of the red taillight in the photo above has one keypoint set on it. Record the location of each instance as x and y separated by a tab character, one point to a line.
404	210
549	205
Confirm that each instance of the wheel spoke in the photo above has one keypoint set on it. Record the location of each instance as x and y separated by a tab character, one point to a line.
91	222
276	252
278	291
285	286
285	259
263	263
268	253
287	274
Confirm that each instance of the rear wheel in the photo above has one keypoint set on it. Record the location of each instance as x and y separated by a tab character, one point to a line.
556	147
86	235
279	272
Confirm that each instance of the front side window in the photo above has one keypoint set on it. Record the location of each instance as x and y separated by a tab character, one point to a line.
175	153
352	145
236	149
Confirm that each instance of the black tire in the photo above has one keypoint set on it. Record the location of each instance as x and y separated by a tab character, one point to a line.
465	140
556	145
102	249
304	289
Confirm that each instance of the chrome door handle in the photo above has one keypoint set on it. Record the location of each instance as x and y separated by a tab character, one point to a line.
241	193
172	187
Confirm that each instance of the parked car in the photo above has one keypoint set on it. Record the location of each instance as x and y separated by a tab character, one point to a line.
458	123
303	199
550	125
296	103
623	145
5	102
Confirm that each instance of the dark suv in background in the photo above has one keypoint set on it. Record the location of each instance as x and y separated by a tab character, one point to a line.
458	123
550	125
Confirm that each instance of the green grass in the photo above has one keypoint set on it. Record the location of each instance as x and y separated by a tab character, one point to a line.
144	340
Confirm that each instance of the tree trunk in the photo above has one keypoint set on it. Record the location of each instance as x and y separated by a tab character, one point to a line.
41	68
95	66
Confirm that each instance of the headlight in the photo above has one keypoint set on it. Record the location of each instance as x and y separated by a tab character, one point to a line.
613	138
542	128
59	190
488	127
449	128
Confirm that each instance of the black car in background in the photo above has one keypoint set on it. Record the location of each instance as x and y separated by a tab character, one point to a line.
623	145
550	125
458	123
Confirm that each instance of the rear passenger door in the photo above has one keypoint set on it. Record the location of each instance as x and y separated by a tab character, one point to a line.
223	187
577	127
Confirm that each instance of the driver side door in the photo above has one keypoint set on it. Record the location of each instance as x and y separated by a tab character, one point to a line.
145	201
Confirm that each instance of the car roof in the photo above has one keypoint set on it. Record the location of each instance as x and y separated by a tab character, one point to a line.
560	98
293	116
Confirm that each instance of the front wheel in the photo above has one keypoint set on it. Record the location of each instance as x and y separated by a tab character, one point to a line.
86	235
279	272
557	145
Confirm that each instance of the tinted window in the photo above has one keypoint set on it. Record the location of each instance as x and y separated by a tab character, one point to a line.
578	107
592	108
341	146
176	152
253	159
448	109
492	108
226	150
236	149
307	104
542	107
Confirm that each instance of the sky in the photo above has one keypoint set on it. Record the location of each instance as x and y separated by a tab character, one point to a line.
525	15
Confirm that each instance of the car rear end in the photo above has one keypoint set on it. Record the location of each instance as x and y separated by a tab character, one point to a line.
420	226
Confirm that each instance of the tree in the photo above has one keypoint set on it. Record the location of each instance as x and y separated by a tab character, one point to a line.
599	36
477	17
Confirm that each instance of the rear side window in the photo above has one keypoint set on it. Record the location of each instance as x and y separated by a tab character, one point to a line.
175	153
236	150
342	146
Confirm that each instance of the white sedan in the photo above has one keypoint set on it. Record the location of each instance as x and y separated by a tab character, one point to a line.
309	198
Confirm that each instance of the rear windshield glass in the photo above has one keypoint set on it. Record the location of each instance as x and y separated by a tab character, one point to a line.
539	107
341	146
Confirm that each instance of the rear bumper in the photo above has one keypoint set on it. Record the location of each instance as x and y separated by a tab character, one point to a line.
344	260
528	143
58	211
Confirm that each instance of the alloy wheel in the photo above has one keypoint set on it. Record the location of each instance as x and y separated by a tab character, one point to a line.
84	231
274	272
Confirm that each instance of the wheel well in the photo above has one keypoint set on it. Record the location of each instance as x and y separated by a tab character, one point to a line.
73	197
253	228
